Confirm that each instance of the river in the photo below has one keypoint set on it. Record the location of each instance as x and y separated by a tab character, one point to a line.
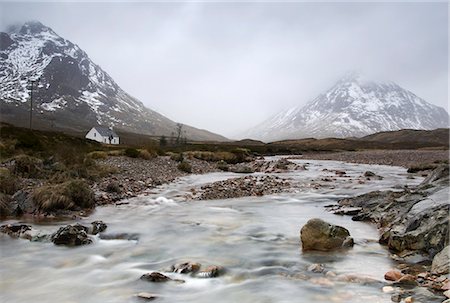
255	238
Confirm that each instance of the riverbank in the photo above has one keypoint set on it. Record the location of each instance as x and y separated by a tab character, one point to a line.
404	158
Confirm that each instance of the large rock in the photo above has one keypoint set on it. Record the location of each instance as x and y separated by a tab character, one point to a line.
71	235
317	234
413	220
441	262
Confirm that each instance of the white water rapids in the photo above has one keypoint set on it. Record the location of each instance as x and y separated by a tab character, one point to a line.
255	238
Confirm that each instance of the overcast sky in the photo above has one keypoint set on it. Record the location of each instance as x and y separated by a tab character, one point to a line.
226	67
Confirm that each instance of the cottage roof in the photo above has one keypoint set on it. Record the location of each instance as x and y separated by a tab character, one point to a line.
105	131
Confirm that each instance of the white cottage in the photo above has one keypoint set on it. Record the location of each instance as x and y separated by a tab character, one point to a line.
103	134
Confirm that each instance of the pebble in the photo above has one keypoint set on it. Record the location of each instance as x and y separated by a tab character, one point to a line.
393	275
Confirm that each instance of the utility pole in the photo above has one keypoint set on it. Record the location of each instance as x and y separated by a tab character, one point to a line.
31	103
31	100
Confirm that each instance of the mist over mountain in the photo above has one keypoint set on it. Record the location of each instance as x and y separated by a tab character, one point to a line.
71	91
353	107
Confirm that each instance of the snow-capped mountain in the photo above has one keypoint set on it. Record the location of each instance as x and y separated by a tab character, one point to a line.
353	107
70	91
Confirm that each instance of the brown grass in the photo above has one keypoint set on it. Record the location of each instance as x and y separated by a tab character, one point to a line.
71	195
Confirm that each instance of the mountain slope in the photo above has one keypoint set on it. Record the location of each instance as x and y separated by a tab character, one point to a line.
353	107
72	91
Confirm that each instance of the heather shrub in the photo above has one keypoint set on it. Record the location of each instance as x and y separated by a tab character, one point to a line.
70	195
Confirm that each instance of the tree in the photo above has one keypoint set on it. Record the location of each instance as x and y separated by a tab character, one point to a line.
162	141
179	132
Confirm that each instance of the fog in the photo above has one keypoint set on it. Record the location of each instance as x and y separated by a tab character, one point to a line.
226	67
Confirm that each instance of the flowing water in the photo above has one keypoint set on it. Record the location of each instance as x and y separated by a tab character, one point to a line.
256	239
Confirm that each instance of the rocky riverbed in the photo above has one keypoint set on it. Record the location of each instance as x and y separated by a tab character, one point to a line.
245	230
136	176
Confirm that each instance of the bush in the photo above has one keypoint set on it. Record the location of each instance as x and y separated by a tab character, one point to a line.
213	156
5	201
7	148
185	166
113	187
71	195
26	166
222	165
177	157
147	155
241	155
96	155
29	140
9	184
115	153
132	153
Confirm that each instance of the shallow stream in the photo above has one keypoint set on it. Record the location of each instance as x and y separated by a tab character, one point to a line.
256	239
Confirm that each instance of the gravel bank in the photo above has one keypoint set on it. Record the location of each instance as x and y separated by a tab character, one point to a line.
405	158
136	175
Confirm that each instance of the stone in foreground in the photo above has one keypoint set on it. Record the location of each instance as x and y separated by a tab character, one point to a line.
319	235
71	235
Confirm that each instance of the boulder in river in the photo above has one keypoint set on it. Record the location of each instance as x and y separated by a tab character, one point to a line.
317	234
71	235
185	268
212	271
15	230
155	277
98	227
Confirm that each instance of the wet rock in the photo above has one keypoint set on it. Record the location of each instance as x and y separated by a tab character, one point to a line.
155	277
357	278
316	268
412	220
349	211
317	234
98	227
15	230
406	280
393	275
330	274
447	293
369	174
185	268
409	299
147	296
441	262
242	169
71	235
211	272
388	289
438	176
322	282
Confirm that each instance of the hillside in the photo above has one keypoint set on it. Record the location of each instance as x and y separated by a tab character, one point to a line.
70	91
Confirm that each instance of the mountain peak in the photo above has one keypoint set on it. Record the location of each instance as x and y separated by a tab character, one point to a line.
34	27
355	106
